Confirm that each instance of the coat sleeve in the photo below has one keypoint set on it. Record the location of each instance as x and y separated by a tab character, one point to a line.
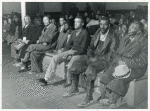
35	35
140	60
30	32
50	36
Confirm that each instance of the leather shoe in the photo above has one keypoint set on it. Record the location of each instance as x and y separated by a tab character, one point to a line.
66	84
23	70
43	81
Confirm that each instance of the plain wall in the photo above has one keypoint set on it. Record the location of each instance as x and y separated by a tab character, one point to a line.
52	7
9	7
123	5
82	6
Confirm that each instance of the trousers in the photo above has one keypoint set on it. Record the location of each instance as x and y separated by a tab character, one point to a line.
57	59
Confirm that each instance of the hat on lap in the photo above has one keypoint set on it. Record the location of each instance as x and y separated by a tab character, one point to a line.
122	71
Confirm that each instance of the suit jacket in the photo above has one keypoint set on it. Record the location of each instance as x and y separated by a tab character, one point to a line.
108	48
36	34
27	32
49	35
135	54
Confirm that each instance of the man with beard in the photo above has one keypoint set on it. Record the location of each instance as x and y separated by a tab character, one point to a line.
99	53
130	62
76	47
61	43
44	43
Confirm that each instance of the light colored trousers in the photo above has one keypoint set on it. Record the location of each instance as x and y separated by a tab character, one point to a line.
57	59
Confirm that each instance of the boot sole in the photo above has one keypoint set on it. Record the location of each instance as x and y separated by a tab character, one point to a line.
86	104
71	94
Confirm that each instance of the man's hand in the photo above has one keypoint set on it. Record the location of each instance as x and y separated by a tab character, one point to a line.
19	40
37	42
27	41
59	51
4	30
65	56
45	44
121	63
93	59
72	52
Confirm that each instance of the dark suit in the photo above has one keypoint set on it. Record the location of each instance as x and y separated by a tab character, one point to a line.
37	50
34	36
27	32
135	55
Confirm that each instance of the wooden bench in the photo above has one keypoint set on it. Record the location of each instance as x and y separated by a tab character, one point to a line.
137	92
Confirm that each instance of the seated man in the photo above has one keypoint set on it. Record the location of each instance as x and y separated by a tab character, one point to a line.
102	46
123	31
130	62
61	22
63	37
45	42
61	43
25	40
74	50
34	36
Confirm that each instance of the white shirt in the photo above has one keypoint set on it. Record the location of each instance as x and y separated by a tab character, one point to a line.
61	28
103	36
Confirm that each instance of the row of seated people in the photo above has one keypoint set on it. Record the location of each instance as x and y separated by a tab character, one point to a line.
122	58
9	29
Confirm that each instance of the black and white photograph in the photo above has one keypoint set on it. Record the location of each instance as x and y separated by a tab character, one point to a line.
74	55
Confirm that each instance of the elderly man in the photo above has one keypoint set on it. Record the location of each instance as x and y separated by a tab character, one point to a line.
130	62
76	47
26	39
44	43
97	59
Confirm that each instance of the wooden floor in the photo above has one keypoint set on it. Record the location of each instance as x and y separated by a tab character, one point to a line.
23	91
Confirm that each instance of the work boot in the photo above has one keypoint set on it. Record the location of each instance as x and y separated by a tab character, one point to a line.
89	97
103	92
24	67
74	86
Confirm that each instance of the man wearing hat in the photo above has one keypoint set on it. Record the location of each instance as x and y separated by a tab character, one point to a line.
130	62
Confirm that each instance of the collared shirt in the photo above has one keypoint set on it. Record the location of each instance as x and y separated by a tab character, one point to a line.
61	28
103	36
77	32
26	26
46	27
